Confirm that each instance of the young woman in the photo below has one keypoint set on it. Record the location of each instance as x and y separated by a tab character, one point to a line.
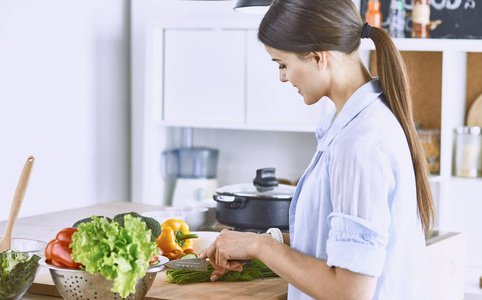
359	213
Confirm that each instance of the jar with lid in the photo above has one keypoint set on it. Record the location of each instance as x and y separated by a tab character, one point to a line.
430	140
467	160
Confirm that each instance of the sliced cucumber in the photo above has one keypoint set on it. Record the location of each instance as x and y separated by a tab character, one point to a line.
189	255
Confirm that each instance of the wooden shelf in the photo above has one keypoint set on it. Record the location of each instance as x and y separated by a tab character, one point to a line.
425	76
409	44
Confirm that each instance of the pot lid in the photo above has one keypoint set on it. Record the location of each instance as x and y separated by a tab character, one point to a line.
282	191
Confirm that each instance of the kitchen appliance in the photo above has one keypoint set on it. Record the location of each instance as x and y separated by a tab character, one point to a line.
195	172
255	207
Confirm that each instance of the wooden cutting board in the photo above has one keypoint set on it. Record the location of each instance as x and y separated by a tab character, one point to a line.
265	288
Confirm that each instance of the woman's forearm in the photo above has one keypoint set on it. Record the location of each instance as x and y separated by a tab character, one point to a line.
312	275
286	238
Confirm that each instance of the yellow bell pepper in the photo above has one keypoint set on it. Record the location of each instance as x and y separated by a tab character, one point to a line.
175	235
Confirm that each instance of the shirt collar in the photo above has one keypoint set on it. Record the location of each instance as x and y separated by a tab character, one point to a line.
329	127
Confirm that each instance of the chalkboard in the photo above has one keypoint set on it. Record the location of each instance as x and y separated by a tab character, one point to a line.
461	19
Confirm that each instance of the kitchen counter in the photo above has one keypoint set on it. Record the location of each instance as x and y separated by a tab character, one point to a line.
446	257
45	227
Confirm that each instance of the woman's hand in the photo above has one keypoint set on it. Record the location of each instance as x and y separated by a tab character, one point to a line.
232	245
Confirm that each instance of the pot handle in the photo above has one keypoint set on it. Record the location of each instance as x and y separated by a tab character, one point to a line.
224	198
231	202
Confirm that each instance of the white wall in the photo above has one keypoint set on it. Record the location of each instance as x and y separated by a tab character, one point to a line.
64	94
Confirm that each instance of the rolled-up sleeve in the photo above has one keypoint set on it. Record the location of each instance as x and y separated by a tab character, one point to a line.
354	246
361	183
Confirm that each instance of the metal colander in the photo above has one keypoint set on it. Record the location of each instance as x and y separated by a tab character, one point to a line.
81	285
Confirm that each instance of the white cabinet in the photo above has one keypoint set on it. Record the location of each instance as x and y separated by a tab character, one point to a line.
270	101
446	255
224	78
204	76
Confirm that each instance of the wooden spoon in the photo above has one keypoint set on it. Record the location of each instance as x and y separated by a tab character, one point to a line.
6	240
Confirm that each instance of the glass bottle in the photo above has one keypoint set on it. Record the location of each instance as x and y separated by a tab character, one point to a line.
467	151
396	26
373	14
420	19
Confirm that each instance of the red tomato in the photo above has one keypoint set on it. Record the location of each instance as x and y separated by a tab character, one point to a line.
187	251
170	255
154	258
62	253
65	234
57	264
58	252
179	255
48	250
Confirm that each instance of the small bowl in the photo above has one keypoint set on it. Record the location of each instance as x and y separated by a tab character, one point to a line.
29	247
211	220
205	239
195	217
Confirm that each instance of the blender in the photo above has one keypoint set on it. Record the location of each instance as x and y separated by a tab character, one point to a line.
195	172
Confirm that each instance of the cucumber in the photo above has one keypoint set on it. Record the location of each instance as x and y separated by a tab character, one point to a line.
189	255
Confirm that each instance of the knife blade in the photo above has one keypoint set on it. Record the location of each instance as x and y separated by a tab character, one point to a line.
194	264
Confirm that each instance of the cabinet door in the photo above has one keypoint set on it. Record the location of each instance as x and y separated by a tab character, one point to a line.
204	76
271	101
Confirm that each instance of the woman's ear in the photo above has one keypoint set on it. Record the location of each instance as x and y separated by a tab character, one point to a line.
321	59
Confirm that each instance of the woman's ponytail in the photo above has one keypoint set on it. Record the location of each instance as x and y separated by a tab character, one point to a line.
303	26
395	85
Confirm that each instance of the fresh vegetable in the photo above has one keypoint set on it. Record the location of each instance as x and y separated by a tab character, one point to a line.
175	235
121	254
151	223
252	270
58	252
177	254
189	255
85	220
17	271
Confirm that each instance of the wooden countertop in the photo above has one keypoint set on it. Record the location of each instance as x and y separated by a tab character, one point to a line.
45	227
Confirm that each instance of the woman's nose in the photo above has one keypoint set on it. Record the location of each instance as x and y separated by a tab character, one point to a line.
282	76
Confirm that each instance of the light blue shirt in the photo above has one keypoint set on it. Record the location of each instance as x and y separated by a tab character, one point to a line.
356	204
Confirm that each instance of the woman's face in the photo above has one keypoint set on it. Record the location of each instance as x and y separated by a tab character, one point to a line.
303	73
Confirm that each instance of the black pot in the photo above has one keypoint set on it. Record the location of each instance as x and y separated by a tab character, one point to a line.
261	205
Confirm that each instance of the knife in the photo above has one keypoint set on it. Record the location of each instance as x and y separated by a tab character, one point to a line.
195	264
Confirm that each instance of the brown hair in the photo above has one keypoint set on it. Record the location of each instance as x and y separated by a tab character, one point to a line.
303	26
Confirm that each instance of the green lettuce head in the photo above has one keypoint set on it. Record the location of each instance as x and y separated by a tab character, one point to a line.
121	254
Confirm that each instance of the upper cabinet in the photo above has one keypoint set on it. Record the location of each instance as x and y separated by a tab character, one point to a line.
204	73
270	101
225	78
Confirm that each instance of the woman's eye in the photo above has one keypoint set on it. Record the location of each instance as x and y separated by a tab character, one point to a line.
281	67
